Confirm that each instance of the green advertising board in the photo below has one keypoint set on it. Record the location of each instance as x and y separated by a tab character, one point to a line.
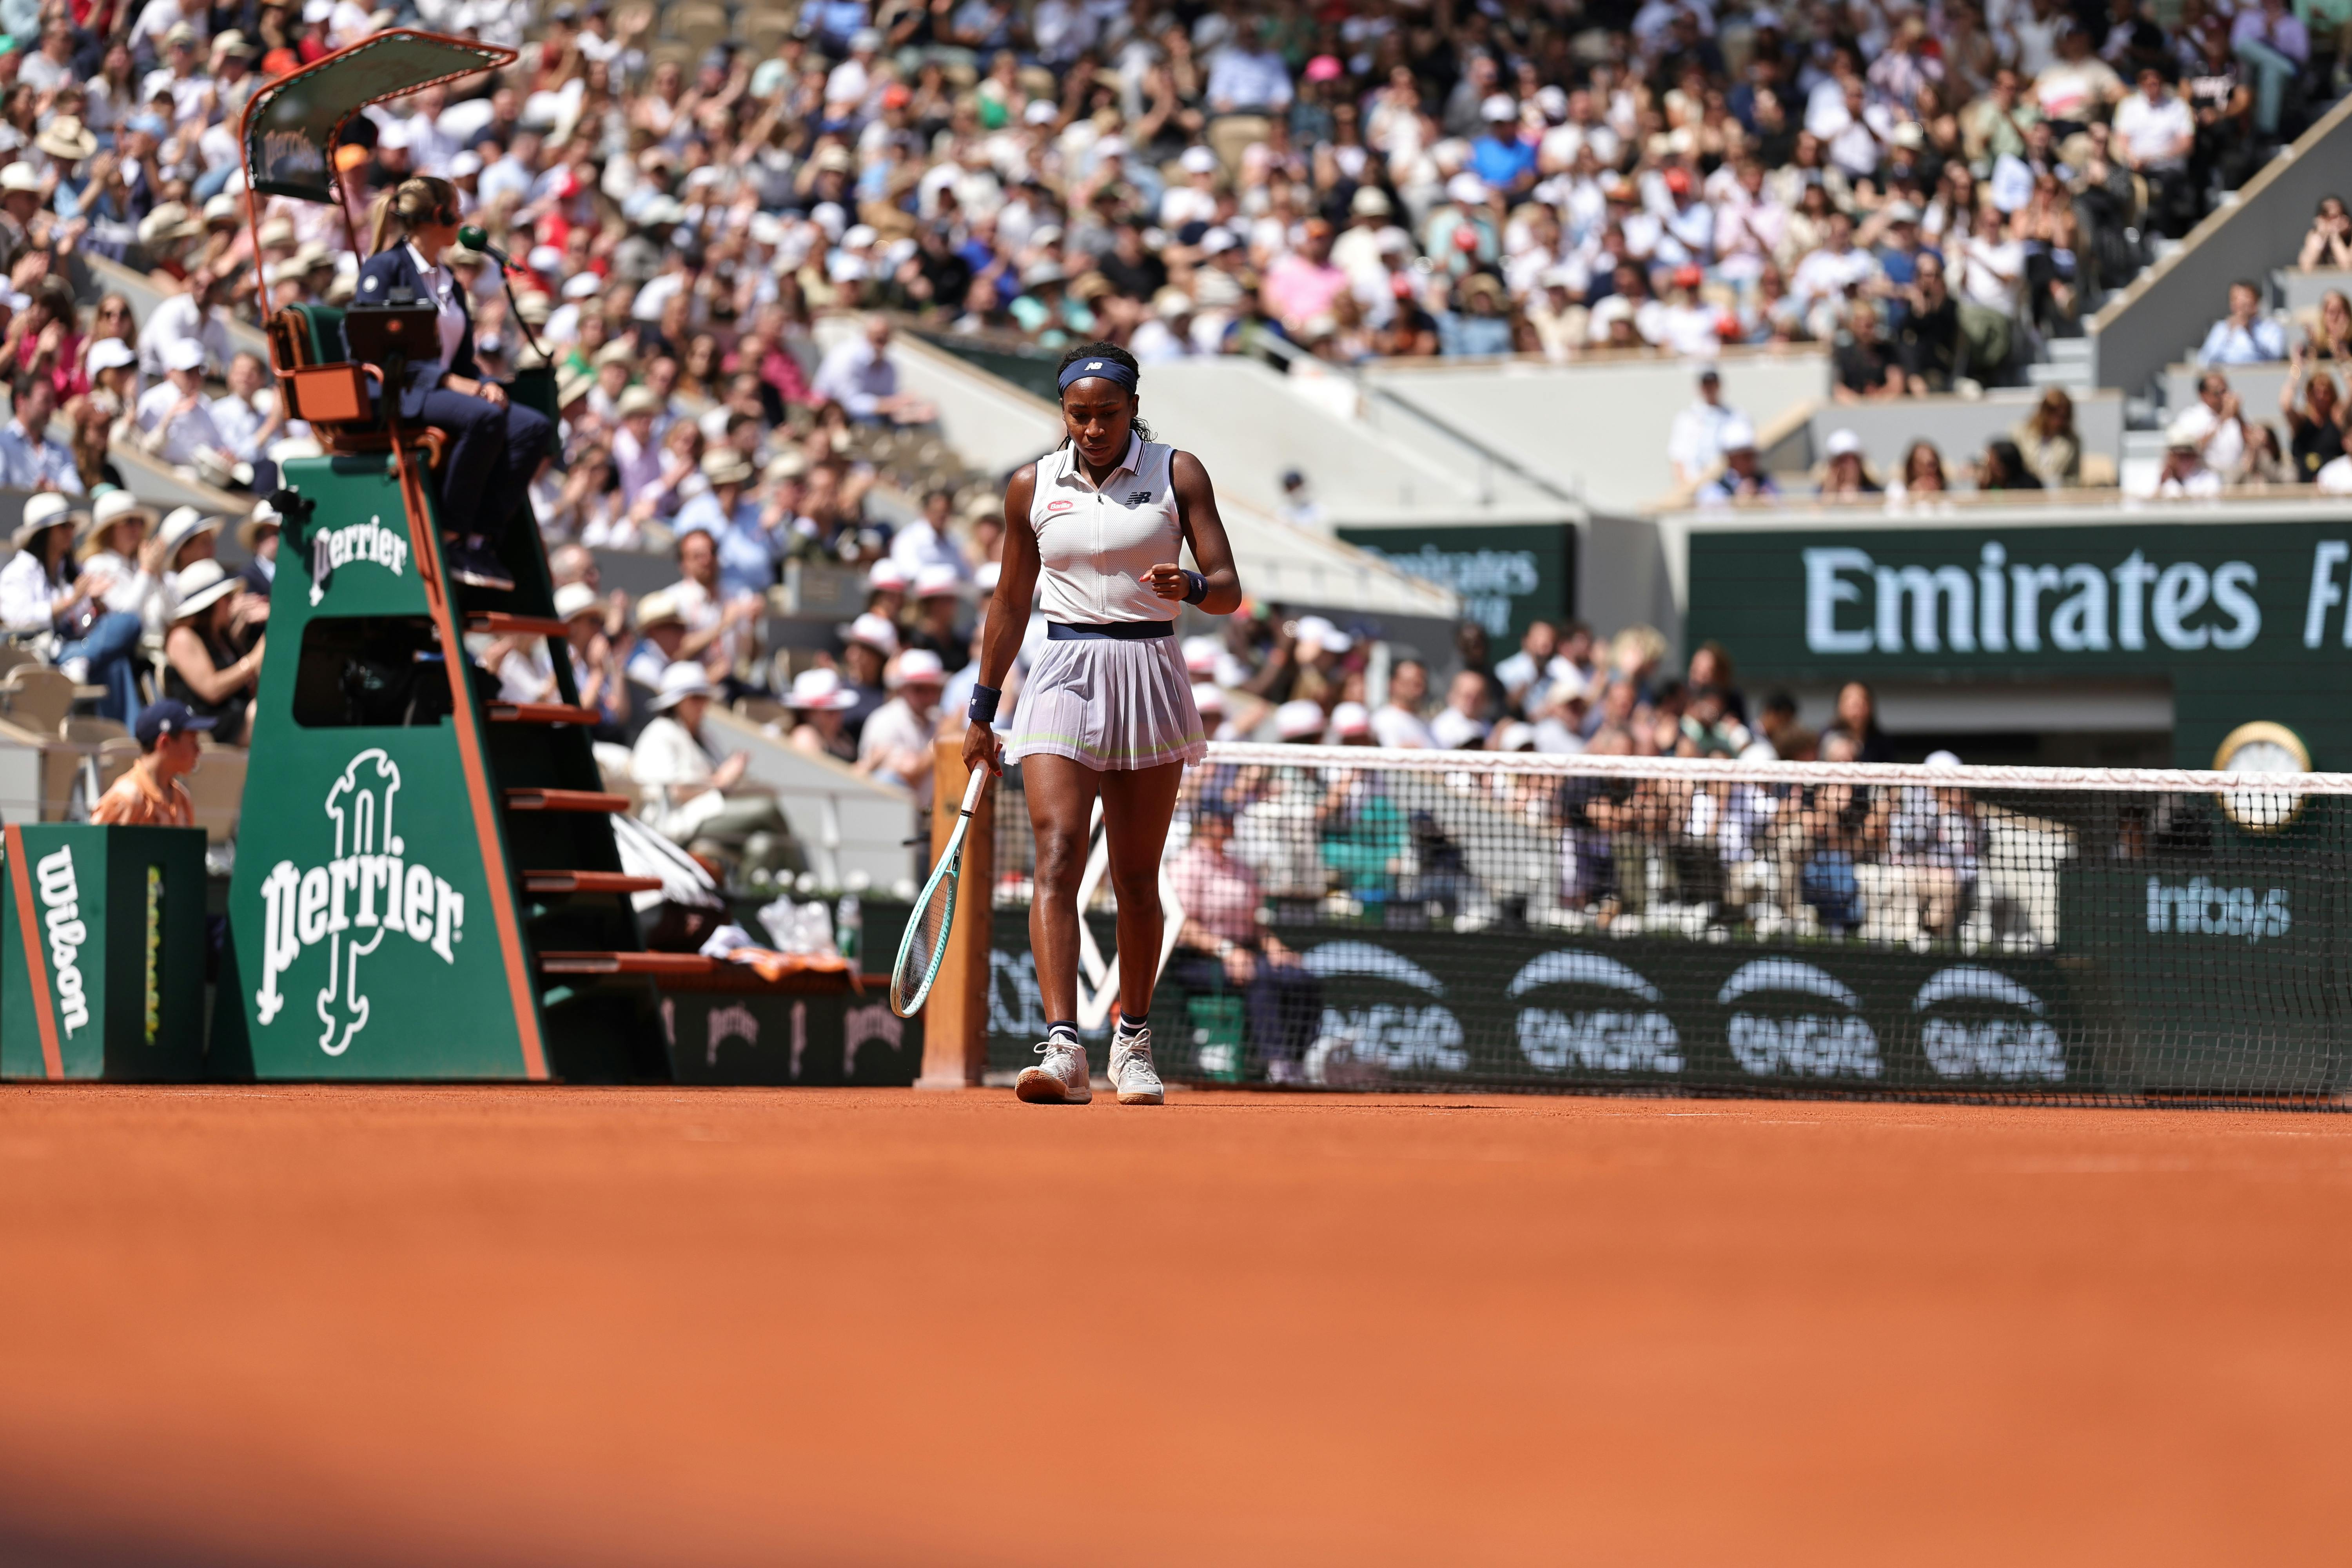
1507	573
2210	965
2247	621
102	952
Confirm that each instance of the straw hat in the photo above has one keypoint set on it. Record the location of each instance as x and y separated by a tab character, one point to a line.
67	138
170	222
112	507
659	608
264	515
726	465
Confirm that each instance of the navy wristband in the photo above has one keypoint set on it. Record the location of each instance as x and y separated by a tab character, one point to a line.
984	700
1197	589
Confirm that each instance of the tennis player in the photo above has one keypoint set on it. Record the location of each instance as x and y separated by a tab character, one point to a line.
1093	535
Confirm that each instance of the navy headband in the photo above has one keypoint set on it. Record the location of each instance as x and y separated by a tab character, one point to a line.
1097	369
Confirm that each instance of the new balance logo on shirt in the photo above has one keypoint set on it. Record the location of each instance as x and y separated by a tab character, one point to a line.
1137	498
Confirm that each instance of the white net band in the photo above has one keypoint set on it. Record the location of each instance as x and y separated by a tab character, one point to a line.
1710	769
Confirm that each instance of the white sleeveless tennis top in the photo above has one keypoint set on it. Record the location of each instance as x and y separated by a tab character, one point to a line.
1096	546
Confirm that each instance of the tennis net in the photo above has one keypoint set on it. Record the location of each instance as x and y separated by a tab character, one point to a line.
1356	918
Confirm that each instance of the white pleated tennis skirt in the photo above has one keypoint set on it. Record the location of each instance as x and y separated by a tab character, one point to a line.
1115	707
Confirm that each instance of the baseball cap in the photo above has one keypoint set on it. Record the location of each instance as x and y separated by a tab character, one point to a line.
168	717
576	599
1298	719
112	353
887	576
1351	719
875	633
1843	444
682	680
940	580
920	666
184	354
1207	698
820	688
1200	655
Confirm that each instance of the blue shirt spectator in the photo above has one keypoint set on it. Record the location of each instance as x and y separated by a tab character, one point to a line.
2244	336
1245	80
30	458
728	512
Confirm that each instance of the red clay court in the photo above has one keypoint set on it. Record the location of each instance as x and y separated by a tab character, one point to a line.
270	1326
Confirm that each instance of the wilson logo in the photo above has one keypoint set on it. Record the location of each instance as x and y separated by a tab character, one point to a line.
62	914
364	892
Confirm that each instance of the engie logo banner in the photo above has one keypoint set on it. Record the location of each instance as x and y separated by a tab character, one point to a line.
1530	1010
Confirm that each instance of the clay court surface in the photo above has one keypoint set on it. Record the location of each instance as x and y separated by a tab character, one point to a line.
505	1326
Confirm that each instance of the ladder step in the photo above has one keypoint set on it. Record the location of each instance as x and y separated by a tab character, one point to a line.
497	623
540	713
626	963
565	800
588	882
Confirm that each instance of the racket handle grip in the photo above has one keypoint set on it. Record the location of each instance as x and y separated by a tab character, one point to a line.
972	786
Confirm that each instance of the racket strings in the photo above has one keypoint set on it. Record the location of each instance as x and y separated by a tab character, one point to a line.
919	954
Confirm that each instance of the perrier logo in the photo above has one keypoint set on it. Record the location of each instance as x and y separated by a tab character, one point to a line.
365	892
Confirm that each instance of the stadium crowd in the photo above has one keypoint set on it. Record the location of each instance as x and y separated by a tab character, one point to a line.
1950	184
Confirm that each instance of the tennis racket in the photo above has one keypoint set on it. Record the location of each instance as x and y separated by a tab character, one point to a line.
925	945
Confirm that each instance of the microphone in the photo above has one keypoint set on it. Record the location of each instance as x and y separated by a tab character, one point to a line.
473	239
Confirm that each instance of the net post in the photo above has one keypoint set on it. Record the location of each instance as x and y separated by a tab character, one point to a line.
955	1019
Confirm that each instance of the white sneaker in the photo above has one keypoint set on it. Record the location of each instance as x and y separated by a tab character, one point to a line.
1132	1072
1060	1079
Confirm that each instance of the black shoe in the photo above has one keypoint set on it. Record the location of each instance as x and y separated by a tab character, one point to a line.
474	565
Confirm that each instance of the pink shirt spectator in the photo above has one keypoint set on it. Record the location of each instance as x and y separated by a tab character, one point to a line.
1216	891
1298	290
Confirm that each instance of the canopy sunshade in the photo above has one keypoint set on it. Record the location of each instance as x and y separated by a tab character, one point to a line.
291	125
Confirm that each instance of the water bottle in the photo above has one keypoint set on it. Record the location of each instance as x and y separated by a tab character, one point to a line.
848	926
